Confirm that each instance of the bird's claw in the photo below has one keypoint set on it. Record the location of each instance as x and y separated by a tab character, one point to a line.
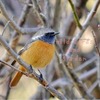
30	69
40	76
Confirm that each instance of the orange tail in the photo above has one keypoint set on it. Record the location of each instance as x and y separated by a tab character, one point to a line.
16	78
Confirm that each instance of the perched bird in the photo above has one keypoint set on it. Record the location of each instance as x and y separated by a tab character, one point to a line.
38	52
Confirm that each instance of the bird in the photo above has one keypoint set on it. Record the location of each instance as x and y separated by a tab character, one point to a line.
38	52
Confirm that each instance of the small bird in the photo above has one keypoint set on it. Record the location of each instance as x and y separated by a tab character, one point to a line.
38	52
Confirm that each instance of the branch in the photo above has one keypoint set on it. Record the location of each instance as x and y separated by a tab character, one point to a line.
88	74
5	27
47	11
75	14
43	82
85	64
15	36
14	25
98	60
85	25
96	43
31	73
57	12
7	47
38	11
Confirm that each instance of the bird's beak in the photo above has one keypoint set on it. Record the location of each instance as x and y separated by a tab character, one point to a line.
56	33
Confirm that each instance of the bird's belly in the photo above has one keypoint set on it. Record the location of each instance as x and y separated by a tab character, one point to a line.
39	54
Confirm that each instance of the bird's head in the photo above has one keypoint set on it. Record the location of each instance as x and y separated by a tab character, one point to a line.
49	36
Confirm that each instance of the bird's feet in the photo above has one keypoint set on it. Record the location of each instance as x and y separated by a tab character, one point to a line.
40	76
30	69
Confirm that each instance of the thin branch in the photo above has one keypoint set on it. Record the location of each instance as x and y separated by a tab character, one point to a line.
72	77
96	43
88	74
85	25
98	70
5	27
75	14
90	61
56	19
14	25
47	11
92	87
24	2
8	88
98	60
43	82
7	47
41	16
15	36
62	83
4	80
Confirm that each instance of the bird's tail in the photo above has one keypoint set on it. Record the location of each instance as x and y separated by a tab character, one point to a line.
17	77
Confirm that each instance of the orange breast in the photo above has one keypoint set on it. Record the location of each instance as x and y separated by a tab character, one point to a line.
39	54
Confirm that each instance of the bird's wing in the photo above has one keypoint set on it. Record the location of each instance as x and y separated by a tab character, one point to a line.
27	45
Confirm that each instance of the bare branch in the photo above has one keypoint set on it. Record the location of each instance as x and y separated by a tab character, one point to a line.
98	60
15	36
5	27
41	16
96	43
75	14
88	74
57	15
43	82
7	47
14	25
47	10
85	25
85	64
92	87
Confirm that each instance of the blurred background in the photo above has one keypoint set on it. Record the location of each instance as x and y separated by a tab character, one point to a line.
77	78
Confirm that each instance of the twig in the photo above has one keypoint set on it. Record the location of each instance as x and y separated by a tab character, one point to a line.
77	84
88	74
47	11
62	83
98	60
57	15
24	2
68	74
7	47
8	88
4	80
14	25
75	14
43	82
41	16
15	36
85	25
82	66
96	43
5	27
92	87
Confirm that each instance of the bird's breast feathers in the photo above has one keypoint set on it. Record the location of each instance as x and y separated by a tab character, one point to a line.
39	54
